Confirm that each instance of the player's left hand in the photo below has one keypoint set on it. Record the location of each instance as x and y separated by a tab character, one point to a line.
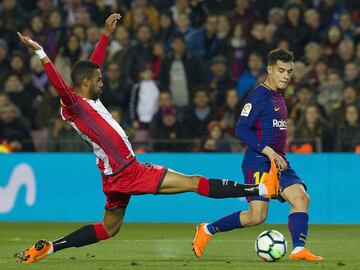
110	24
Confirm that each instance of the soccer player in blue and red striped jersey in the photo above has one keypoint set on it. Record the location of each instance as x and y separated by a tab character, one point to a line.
122	174
262	126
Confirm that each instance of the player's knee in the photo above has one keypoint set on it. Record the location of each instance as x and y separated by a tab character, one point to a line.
301	200
194	182
258	218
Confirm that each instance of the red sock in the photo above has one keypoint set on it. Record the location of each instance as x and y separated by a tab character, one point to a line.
101	233
203	187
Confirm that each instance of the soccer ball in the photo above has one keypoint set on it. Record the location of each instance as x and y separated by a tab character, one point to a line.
270	245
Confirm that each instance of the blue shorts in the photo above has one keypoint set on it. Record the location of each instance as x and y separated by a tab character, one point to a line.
255	174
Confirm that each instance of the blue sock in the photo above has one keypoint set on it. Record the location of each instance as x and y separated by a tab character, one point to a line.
298	227
224	224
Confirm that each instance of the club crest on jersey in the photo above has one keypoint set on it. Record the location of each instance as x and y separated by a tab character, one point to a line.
246	110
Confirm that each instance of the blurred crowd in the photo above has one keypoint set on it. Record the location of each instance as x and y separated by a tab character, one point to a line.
177	71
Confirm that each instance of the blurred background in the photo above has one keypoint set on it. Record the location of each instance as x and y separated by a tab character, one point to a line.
194	60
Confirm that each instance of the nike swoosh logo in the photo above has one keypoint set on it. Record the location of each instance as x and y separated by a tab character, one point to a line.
276	109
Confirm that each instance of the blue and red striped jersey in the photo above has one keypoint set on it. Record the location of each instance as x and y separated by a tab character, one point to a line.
263	123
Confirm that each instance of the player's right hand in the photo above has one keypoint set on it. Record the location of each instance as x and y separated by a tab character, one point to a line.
29	42
270	153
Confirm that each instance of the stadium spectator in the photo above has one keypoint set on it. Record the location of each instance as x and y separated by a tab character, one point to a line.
119	45
256	41
114	92
349	96
159	53
68	55
313	129
38	28
234	49
255	68
223	27
4	99
63	139
79	31
71	11
56	34
229	113
7	35
39	80
92	37
142	11
15	129
328	9
345	24
331	42
183	25
13	16
19	95
345	54
166	29
312	19
357	53
179	7
43	9
216	140
351	73
99	11
269	33
312	54
305	96
198	115
138	54
317	75
219	80
19	67
144	99
294	29
204	41
47	109
166	130
245	14
4	63
275	16
181	71
330	91
348	133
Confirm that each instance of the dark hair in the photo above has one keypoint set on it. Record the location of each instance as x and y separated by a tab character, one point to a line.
83	69
280	54
179	36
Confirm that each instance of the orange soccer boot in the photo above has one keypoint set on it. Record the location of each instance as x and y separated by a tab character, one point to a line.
37	252
306	255
200	240
271	181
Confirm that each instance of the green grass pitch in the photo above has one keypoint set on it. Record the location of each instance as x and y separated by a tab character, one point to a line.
168	246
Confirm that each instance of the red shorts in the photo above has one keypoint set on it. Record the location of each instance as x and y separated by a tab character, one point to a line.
137	178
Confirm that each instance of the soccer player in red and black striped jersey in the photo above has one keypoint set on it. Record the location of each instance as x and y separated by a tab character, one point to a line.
122	174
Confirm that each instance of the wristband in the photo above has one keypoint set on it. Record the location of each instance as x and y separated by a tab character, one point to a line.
40	53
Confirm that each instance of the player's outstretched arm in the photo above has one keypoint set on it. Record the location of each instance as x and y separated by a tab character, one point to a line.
54	76
99	53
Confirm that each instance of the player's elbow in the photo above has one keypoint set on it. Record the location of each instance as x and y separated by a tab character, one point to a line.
240	130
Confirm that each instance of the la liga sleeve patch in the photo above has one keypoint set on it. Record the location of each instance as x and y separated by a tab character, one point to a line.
246	110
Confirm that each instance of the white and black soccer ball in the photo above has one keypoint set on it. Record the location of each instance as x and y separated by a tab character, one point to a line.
270	245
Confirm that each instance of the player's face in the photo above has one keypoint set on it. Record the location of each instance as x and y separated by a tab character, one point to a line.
96	85
280	73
